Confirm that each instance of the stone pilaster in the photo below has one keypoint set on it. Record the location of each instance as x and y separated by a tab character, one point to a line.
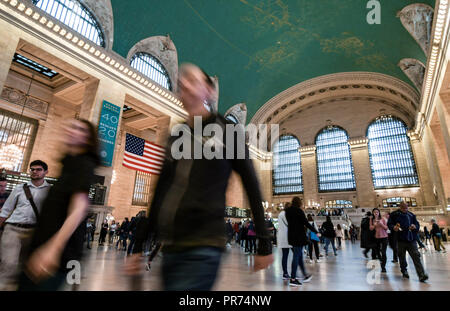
363	174
8	45
309	170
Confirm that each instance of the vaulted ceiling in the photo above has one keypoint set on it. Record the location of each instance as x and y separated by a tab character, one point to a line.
259	48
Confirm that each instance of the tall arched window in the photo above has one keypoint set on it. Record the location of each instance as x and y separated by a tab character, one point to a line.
390	154
73	14
287	170
152	68
334	161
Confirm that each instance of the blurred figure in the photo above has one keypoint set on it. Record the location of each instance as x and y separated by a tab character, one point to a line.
436	234
379	225
282	241
251	237
112	232
60	230
297	222
19	216
405	223
330	235
313	240
368	237
89	233
3	197
123	234
229	232
392	239
3	193
427	235
339	235
353	234
103	232
189	202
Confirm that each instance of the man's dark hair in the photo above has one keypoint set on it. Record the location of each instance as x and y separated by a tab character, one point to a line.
296	202
39	163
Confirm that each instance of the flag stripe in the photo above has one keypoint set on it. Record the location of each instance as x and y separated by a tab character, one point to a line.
138	168
144	158
136	161
154	147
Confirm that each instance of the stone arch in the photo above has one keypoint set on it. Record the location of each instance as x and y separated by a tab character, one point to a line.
163	49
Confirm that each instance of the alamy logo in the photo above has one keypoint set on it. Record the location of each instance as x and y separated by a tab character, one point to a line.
374	275
374	15
214	141
74	275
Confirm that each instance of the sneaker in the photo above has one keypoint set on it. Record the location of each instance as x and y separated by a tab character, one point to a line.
318	260
307	278
383	270
365	254
335	254
310	261
444	251
405	275
394	261
294	282
286	277
423	278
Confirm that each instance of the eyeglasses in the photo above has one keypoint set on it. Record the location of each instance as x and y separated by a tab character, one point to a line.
36	169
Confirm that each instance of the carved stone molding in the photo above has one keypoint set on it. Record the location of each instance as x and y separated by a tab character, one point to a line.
358	143
417	18
238	111
340	85
163	49
415	71
307	151
19	98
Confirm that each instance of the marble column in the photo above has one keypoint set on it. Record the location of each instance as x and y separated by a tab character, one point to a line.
8	45
309	170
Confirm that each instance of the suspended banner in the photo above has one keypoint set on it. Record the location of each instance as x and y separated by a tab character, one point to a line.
107	131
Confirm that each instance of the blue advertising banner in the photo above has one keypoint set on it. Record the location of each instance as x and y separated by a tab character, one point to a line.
107	131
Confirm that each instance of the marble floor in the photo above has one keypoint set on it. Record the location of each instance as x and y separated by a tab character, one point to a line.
102	271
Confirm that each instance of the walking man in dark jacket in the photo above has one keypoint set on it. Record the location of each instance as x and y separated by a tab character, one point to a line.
407	227
188	207
368	237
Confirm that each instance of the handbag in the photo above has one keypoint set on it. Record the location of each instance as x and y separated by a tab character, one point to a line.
313	236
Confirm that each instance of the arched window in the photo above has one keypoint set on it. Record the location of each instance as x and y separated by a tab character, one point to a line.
287	170
232	118
339	204
152	68
334	161
73	14
390	154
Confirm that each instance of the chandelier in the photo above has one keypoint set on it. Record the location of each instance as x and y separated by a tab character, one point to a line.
11	155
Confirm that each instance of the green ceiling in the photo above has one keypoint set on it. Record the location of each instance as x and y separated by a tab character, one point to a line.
259	48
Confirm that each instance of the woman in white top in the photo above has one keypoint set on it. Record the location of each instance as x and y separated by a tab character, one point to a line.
339	235
282	241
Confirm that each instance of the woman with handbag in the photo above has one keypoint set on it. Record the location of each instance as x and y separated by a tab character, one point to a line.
313	240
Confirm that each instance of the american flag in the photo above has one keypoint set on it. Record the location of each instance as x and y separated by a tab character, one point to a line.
142	155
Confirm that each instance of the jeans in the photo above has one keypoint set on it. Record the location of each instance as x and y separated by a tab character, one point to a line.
131	245
284	259
297	260
339	241
327	243
411	247
394	245
381	251
193	269
315	245
252	243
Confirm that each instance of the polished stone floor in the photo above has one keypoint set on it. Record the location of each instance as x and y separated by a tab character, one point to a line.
102	271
